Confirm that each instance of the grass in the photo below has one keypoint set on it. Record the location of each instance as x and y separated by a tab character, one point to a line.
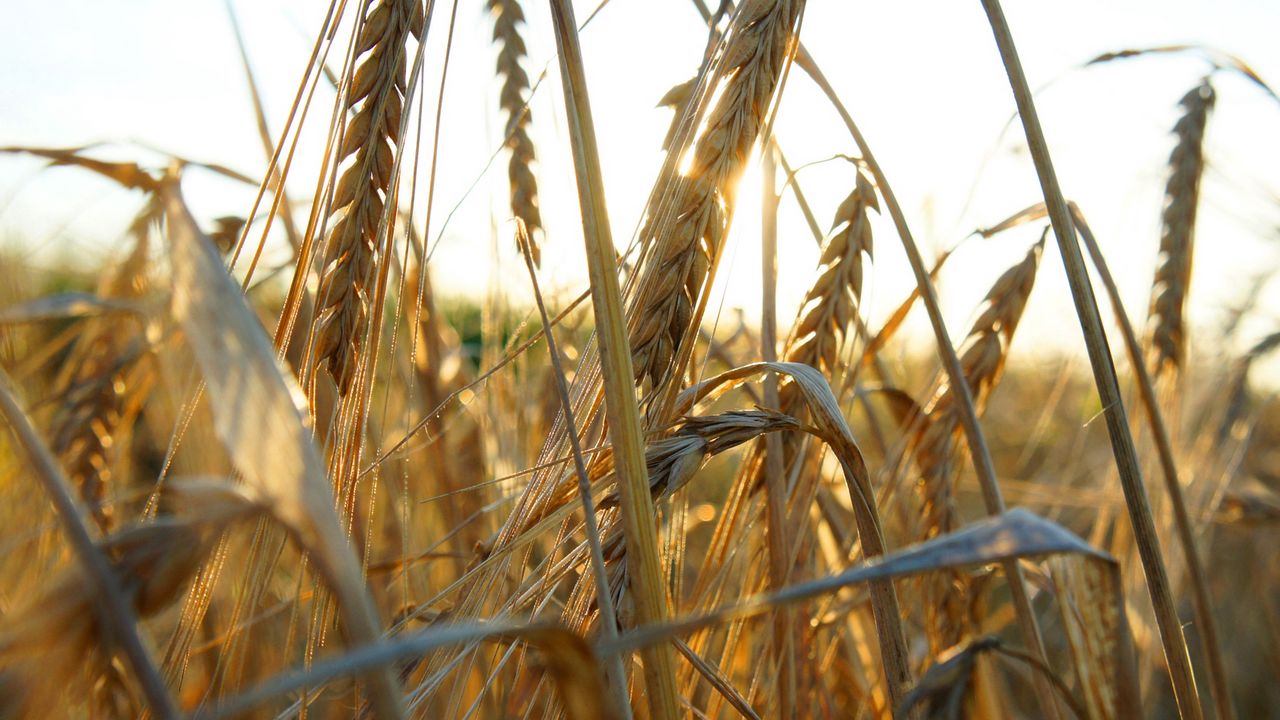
354	498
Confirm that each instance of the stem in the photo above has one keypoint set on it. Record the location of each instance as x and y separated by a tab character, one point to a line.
1104	373
784	641
646	582
977	442
116	620
608	616
1201	600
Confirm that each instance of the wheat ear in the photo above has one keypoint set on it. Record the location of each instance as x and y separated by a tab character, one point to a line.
692	221
982	357
376	97
830	305
1177	234
507	17
86	425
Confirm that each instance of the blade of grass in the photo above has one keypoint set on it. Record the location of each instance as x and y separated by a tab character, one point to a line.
647	583
67	306
568	664
1202	602
257	416
1104	372
1010	536
608	616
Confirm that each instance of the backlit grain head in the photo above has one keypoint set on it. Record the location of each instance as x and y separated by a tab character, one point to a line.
507	18
374	98
1177	234
690	223
835	298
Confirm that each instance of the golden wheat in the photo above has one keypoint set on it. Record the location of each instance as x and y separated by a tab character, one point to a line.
471	528
688	245
834	300
983	355
376	97
507	18
1177	234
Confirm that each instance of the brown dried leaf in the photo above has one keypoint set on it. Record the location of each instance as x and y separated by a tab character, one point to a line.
1093	617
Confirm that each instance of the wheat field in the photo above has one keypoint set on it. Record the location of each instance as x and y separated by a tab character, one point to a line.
260	465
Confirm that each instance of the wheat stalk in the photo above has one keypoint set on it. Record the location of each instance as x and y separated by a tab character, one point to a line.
376	97
1201	599
507	17
1126	455
777	532
1177	234
616	369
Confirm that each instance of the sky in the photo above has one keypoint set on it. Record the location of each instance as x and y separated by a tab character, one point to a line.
921	77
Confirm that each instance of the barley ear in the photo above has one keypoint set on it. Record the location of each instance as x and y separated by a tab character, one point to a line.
835	298
689	224
507	17
1177	235
374	98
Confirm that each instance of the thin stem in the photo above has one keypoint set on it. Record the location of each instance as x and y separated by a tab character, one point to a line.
647	584
794	184
1202	602
273	177
784	641
978	450
115	616
604	598
1104	373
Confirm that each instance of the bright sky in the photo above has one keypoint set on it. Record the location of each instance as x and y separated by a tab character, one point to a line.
921	77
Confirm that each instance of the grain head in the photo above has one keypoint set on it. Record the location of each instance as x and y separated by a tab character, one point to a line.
1177	234
375	99
507	19
696	215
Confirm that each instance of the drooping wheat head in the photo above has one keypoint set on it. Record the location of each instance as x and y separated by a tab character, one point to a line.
376	97
1177	234
673	461
55	636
